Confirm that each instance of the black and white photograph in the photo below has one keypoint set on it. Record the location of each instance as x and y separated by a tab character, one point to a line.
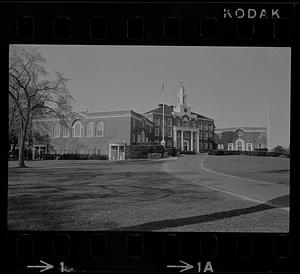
149	138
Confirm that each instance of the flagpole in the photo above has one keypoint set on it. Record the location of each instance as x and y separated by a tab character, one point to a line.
268	137
163	129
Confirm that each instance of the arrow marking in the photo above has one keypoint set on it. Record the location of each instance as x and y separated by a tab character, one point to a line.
45	266
185	267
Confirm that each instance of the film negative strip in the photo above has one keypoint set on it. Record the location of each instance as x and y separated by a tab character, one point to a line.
106	175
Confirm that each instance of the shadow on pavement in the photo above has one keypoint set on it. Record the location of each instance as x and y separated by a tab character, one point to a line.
282	201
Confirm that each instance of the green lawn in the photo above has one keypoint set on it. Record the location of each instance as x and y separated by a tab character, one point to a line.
270	169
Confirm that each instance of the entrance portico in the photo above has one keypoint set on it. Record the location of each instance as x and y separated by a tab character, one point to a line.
186	138
117	151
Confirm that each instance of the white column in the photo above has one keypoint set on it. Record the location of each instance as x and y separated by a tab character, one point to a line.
197	141
181	139
33	153
175	138
192	143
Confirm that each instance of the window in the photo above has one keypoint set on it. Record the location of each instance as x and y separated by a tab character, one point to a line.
249	147
186	134
260	145
169	143
210	135
185	124
169	122
99	129
65	130
210	127
205	136
156	131
178	123
192	124
210	146
185	110
143	137
200	126
200	146
133	122
77	129
169	132
156	121
220	146
56	129
200	135
205	126
90	129
230	146
205	145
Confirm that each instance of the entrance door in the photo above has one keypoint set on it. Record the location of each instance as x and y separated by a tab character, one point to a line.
239	145
185	145
121	152
114	152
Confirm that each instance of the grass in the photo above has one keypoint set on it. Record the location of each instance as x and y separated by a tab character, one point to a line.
102	195
270	169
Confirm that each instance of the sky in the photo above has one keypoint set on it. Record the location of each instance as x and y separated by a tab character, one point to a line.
228	84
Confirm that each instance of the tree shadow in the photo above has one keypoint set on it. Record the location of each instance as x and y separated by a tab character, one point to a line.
279	202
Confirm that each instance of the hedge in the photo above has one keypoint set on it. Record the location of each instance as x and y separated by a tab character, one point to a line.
188	152
74	157
143	151
249	153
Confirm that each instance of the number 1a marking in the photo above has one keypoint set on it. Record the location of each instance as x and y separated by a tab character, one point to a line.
62	267
199	266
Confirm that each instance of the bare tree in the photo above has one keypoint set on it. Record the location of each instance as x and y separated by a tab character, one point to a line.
33	92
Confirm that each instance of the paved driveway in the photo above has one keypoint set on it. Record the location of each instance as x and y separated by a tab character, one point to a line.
194	169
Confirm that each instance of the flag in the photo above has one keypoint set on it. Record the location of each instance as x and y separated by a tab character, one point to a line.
163	86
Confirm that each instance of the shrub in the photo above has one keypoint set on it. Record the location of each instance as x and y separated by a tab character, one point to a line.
154	156
171	152
188	152
98	157
143	151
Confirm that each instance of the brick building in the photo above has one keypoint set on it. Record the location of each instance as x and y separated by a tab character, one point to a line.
103	133
184	129
241	138
107	133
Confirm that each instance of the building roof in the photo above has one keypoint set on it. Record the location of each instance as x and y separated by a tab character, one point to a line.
169	110
94	114
201	116
159	109
104	113
242	128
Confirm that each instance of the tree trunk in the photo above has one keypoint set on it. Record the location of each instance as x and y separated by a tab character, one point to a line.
21	151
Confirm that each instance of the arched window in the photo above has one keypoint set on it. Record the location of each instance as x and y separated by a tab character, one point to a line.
77	129
90	129
56	129
65	130
99	129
